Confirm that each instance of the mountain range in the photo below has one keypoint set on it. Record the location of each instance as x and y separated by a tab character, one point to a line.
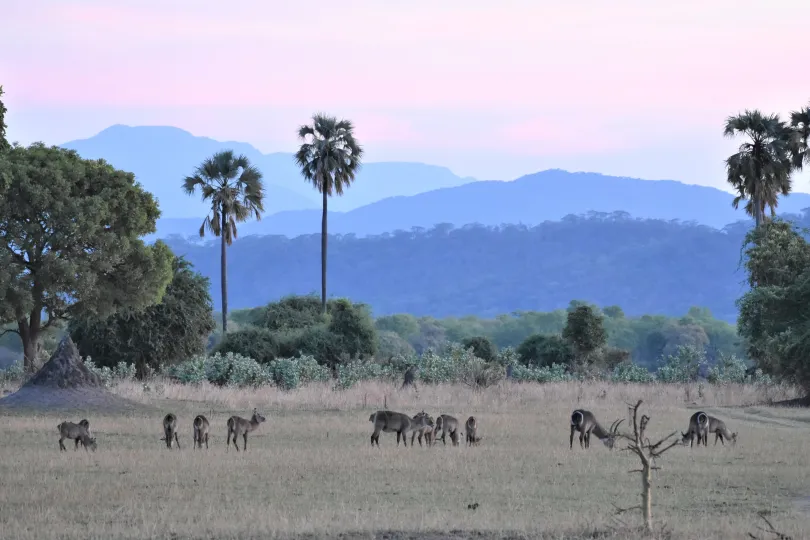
390	196
161	156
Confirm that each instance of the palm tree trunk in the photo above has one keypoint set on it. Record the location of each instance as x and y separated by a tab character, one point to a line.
757	211
323	253
224	272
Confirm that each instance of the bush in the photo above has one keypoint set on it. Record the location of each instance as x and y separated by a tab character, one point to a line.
112	377
482	347
544	374
628	372
222	369
545	350
683	366
390	344
13	373
257	343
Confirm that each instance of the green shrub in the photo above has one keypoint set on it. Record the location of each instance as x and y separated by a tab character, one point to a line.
544	374
13	373
390	344
683	366
482	347
257	343
540	350
223	369
112	377
628	372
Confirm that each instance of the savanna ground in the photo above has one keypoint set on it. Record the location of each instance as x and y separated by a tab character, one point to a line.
310	469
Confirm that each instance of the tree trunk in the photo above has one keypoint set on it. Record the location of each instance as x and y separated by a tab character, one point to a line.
757	211
224	269
29	331
646	495
323	253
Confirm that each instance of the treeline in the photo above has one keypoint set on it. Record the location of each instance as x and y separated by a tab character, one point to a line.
646	266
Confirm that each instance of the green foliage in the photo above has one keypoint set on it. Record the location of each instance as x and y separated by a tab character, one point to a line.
221	369
544	374
71	241
257	343
628	372
584	330
13	373
774	315
390	344
111	376
684	365
402	324
352	326
541	350
291	312
165	333
482	347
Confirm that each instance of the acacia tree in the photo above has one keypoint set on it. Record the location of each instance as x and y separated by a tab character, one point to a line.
235	190
70	243
760	170
329	158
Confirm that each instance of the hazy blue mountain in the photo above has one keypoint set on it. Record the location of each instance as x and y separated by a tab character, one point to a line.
646	266
161	156
530	200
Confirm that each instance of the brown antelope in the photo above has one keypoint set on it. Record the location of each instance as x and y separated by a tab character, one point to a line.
239	426
585	422
698	427
77	432
718	427
395	422
471	427
201	426
425	431
170	430
447	424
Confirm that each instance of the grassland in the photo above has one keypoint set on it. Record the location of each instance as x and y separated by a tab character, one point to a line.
309	469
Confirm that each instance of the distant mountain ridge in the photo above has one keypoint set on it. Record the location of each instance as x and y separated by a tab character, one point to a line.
530	200
161	156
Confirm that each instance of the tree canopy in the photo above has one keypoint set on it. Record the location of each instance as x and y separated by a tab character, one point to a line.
173	330
70	243
3	141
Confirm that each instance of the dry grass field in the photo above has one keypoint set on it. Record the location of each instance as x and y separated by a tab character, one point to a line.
310	469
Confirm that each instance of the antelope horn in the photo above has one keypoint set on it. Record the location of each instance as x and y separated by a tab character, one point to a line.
615	427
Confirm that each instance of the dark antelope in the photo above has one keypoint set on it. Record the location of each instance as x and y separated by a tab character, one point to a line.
698	427
239	426
395	422
447	424
170	430
77	432
201	426
585	422
471	427
425	431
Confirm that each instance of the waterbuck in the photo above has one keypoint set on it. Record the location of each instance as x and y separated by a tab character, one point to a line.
447	424
77	432
698	427
400	423
471	427
239	426
585	422
718	427
170	430
425	431
201	426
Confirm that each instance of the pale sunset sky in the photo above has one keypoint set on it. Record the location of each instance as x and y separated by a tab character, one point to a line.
489	89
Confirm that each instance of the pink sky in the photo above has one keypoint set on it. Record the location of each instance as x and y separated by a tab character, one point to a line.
490	89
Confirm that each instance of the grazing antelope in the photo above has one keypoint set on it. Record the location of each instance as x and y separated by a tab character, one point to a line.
201	426
239	426
698	427
395	422
585	422
718	427
447	424
426	430
77	432
471	427
170	430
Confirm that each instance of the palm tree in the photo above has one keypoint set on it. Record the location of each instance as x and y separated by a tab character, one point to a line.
234	188
760	170
329	157
800	122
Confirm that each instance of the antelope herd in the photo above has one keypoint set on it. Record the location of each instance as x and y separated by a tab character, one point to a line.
421	425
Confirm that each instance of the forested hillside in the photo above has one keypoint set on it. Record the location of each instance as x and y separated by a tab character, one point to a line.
645	266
